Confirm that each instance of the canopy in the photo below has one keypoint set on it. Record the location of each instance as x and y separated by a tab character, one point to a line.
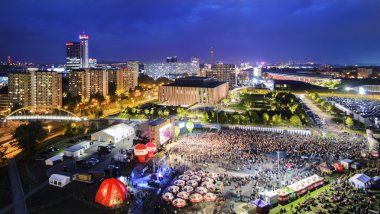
111	192
360	181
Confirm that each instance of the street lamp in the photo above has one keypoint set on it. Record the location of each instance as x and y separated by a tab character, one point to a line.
49	128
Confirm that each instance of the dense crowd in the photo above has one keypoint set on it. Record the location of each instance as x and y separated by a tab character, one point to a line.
253	155
243	148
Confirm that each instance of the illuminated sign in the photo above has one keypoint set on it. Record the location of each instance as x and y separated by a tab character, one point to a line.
181	125
69	44
190	126
165	133
83	36
177	130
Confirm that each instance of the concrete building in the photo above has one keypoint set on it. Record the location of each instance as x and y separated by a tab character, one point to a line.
73	54
87	82
84	62
364	72
126	78
223	72
172	68
191	90
35	88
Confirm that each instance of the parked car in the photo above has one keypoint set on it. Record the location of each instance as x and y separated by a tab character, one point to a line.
104	149
94	160
111	145
154	183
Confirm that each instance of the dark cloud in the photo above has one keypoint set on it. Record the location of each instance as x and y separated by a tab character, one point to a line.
335	31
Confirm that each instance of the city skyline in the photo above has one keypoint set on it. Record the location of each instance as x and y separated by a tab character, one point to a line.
336	32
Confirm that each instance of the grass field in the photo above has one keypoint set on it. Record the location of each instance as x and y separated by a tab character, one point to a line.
300	200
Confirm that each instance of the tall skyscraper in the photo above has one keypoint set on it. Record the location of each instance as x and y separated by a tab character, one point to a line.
73	55
35	88
84	50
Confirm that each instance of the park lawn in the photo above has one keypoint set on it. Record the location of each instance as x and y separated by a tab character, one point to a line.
300	200
5	187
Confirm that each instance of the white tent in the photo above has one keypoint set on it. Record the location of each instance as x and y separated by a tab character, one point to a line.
360	181
114	133
59	180
51	161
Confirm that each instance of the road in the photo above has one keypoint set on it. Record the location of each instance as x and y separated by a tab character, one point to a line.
19	204
330	125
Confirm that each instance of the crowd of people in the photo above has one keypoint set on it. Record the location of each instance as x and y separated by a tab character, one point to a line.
247	161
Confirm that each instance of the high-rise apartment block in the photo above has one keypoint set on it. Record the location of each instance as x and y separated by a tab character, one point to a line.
35	88
87	82
223	72
172	68
364	72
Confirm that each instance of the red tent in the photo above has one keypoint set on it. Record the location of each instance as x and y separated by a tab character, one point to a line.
338	167
111	192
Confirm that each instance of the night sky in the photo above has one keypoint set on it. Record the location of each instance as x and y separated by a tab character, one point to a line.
325	31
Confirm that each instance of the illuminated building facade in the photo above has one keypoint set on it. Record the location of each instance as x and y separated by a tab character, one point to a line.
35	88
84	62
73	54
364	73
191	90
87	82
172	68
223	72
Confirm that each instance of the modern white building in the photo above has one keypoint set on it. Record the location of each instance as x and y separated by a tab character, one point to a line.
114	133
59	180
77	150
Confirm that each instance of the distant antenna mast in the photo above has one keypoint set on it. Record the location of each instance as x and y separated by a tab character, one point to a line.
212	55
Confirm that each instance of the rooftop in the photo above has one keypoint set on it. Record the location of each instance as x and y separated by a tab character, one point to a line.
157	122
196	81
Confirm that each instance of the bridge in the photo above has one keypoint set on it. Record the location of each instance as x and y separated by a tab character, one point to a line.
50	113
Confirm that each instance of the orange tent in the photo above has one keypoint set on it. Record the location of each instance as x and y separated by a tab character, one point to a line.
111	192
338	167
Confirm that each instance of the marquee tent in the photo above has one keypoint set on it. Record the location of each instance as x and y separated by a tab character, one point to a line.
111	192
114	133
360	181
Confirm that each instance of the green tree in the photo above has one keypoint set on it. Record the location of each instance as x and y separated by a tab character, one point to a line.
253	117
293	108
330	107
28	136
166	112
146	111
266	118
92	128
16	106
205	117
349	122
69	132
276	119
112	89
295	121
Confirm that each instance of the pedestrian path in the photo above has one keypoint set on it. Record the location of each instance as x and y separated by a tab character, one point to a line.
19	204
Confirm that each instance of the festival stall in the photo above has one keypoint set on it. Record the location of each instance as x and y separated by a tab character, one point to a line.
338	167
317	180
245	208
299	188
111	193
262	207
346	163
360	181
283	196
271	198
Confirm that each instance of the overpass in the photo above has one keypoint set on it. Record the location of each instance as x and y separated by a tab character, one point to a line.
55	113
